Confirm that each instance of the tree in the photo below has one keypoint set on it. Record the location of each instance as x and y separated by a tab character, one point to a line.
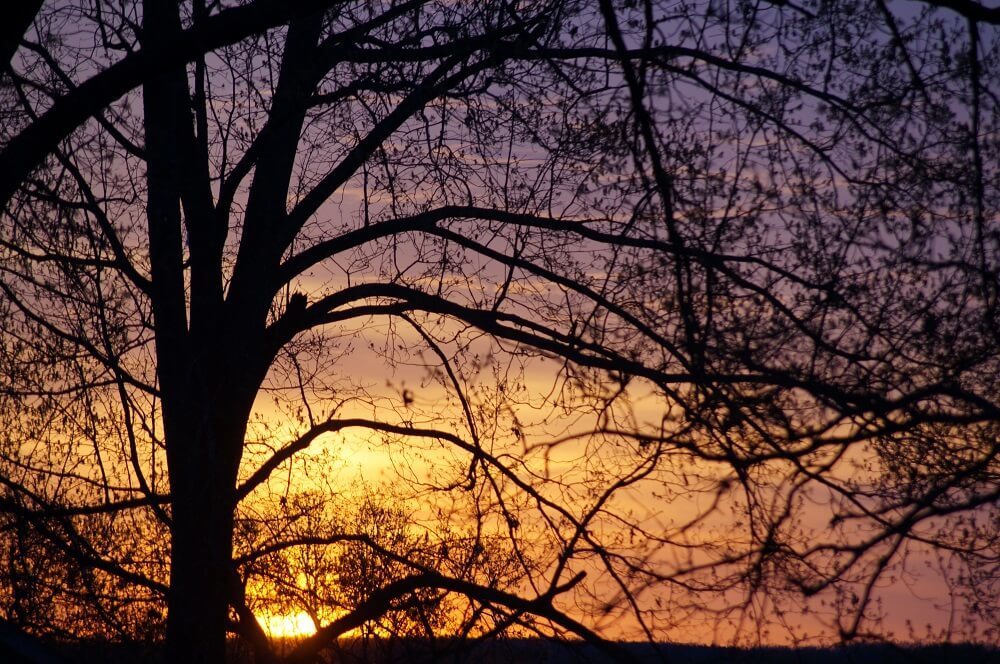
753	248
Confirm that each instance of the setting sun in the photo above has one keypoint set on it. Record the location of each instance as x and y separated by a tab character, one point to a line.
291	625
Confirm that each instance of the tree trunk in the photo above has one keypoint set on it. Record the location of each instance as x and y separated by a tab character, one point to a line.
200	560
204	458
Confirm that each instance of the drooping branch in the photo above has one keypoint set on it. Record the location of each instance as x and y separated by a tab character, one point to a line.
382	601
849	403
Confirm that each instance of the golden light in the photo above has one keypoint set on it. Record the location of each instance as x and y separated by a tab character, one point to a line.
291	625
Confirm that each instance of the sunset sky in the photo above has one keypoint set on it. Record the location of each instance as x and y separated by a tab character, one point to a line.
667	320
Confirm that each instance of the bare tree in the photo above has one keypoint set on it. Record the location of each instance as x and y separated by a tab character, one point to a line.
697	302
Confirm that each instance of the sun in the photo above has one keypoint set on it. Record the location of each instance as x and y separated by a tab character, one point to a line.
289	625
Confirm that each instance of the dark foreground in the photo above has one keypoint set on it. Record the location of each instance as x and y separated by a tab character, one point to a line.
530	651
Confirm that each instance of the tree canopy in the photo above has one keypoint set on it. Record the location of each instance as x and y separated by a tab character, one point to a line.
657	317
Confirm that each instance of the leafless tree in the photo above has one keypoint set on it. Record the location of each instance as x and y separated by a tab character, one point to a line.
696	303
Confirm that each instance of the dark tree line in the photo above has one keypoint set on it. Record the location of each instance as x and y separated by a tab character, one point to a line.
701	297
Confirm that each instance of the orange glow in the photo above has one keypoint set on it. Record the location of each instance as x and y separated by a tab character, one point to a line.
290	625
